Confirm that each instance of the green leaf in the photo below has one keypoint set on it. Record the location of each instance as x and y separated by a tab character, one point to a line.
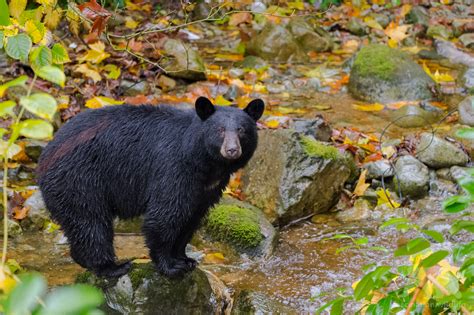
456	204
337	307
467	133
36	129
39	57
1	38
52	74
339	236
21	80
343	248
394	221
60	55
76	299
459	225
461	251
467	268
383	306
467	183
434	258
41	104
6	108
18	47
24	297
437	236
412	247
361	241
378	248
365	285
4	13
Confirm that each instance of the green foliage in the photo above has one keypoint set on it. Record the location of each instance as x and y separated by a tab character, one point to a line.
4	14
28	296
446	288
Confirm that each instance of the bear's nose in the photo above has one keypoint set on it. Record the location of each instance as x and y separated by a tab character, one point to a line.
232	152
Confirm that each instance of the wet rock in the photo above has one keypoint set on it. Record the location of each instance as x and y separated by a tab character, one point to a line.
318	128
130	88
444	174
252	62
165	83
275	88
456	56
232	93
38	215
14	228
275	43
438	153
439	31
292	176
412	177
466	111
467	78
248	302
242	226
442	188
186	64
356	27
144	291
458	172
413	116
383	74
379	169
33	149
258	7
418	15
360	211
236	73
467	40
307	37
429	54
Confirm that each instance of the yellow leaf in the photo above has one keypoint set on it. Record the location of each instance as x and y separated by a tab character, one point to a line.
361	186
273	123
101	101
114	71
392	43
91	73
221	101
388	151
298	5
96	54
35	30
372	23
438	77
52	17
397	32
47	2
74	21
17	7
405	9
376	107
384	198
7	284
214	258
130	23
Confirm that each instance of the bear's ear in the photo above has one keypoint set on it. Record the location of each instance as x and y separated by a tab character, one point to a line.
255	109
204	108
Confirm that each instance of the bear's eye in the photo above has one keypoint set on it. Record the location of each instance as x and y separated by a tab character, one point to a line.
221	131
241	130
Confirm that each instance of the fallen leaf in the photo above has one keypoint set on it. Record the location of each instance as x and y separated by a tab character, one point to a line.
396	32
240	17
214	258
361	186
221	101
87	71
385	198
376	107
93	11
19	213
101	101
130	23
96	53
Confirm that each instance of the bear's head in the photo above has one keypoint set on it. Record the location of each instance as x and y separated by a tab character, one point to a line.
230	134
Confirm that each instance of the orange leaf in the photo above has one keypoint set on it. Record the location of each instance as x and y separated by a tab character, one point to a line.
93	11
369	107
19	213
361	186
241	17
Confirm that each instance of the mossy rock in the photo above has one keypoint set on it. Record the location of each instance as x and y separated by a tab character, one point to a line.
144	291
383	74
241	226
316	148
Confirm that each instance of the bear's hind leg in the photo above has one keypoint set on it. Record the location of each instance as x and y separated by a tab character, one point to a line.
91	245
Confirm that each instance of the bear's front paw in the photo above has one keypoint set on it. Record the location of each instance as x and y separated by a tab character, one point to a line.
113	270
190	263
173	268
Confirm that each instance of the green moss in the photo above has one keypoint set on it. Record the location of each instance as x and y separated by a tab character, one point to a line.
236	225
315	148
140	272
377	60
84	277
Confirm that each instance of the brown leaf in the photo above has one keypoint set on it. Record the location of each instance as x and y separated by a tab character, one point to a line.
20	213
241	17
361	186
93	11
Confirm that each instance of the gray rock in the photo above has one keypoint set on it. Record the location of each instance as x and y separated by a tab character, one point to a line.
186	64
38	215
412	177
439	31
144	291
252	62
444	174
318	128
14	228
458	172
242	226
307	37
466	111
292	177
383	74
467	78
442	188
413	116
438	153
248	302
275	43
418	15
467	40
382	19
33	149
131	88
360	211
356	26
379	169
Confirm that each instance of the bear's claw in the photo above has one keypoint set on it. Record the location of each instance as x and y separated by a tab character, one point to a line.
113	270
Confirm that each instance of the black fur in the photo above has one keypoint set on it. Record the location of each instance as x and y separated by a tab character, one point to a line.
125	161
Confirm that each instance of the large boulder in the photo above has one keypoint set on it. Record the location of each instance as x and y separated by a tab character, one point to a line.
383	74
412	177
242	226
249	302
186	62
292	176
439	153
144	291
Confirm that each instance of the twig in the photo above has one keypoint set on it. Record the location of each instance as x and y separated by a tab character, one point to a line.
443	290
415	295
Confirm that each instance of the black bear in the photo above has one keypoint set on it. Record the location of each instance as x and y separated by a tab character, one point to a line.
168	164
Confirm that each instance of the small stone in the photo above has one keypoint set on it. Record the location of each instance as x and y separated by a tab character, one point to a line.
429	54
14	228
258	7
275	88
418	15
467	40
413	116
379	169
186	62
412	176
356	27
382	19
468	78
252	62
458	172
466	111
165	83
439	153
131	88
360	211
317	128
236	72
444	173
439	31
34	148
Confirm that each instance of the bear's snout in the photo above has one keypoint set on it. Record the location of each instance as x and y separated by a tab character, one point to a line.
231	148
